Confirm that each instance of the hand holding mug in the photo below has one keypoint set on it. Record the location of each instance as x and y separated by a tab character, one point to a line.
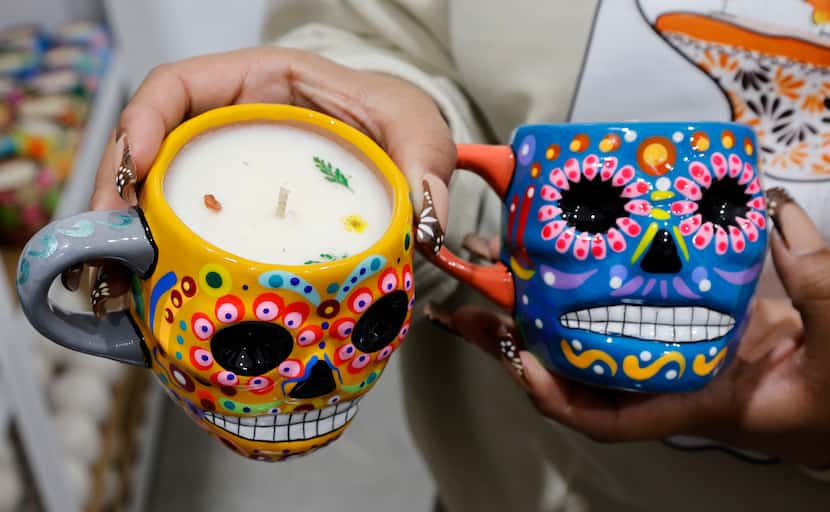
263	345
630	252
771	399
399	116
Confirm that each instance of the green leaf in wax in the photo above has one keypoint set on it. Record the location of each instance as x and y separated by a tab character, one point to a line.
331	173
326	257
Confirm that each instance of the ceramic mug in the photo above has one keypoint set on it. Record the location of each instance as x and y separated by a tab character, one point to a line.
272	359
630	251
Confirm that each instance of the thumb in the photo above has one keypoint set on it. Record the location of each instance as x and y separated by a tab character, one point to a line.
418	139
801	257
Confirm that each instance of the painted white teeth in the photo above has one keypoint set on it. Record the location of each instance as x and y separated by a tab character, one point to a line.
671	324
286	427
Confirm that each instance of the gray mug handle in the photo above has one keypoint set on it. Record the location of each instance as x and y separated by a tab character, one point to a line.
121	236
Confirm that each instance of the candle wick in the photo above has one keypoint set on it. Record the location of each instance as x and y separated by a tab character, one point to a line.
282	202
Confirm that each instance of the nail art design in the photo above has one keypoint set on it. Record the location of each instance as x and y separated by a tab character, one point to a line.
125	177
430	234
776	198
100	293
510	352
111	281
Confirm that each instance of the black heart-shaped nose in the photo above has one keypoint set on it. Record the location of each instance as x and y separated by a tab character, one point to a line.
319	382
251	348
662	257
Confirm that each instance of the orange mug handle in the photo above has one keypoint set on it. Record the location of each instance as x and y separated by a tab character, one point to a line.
495	164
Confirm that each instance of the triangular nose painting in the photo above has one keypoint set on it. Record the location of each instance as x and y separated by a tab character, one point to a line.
771	61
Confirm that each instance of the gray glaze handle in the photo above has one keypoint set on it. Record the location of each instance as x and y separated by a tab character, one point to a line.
120	236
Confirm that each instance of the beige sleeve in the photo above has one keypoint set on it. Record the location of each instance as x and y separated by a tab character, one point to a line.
386	36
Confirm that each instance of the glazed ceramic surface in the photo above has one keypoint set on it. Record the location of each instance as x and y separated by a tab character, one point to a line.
271	359
774	72
630	252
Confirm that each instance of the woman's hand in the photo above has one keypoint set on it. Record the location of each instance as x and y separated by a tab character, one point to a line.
773	398
399	116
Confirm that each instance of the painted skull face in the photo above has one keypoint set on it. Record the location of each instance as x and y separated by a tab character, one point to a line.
276	367
636	251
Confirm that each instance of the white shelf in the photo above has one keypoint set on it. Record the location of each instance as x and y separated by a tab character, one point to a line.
147	443
40	443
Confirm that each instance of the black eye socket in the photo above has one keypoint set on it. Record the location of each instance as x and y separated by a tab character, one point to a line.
723	202
251	348
380	325
592	206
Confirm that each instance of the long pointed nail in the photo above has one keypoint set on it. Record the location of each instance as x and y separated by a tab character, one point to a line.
71	277
510	358
440	317
430	234
125	177
111	280
776	198
100	293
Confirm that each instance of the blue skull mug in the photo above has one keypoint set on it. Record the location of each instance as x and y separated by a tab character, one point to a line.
633	249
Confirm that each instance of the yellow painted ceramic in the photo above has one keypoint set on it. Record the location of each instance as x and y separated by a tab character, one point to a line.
271	359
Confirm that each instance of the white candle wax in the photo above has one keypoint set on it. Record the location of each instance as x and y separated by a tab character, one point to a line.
336	205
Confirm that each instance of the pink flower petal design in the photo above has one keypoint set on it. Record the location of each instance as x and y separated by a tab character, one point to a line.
590	166
719	165
690	225
700	174
737	239
721	240
623	176
688	189
616	240
747	175
757	219
609	165
735	166
557	177
637	189
548	212
582	245
704	236
638	207
754	187
748	227
565	240
572	170
552	229
549	193
598	247
759	203
628	226
683	207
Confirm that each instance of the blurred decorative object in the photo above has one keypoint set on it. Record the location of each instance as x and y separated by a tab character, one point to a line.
79	436
47	84
81	391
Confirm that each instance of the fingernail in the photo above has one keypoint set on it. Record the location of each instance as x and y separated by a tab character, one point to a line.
100	293
125	177
71	277
111	280
511	360
429	234
416	194
776	198
440	317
